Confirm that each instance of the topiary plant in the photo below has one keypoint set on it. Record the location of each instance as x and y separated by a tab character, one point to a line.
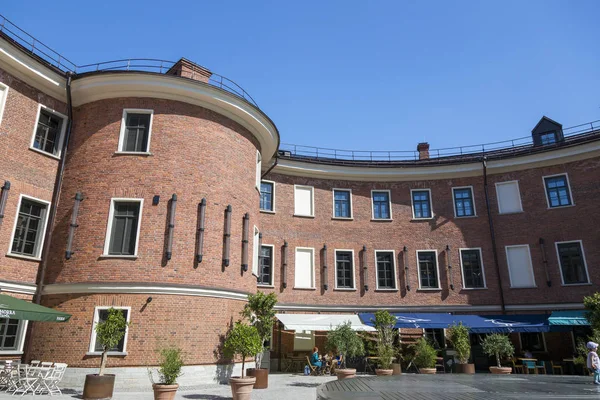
425	354
498	345
170	366
109	333
346	341
459	336
260	311
385	323
242	340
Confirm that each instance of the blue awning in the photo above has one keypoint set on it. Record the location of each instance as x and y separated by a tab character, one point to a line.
568	318
476	323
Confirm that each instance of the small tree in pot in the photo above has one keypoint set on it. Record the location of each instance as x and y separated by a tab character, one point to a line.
109	333
459	336
242	340
347	343
499	346
424	356
170	369
385	323
260	311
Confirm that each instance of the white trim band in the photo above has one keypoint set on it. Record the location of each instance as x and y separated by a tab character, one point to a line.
17	287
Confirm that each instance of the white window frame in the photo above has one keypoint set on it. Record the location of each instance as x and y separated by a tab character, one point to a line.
333	204
395	289
587	273
273	197
312	200
61	134
518	191
270	284
530	261
91	348
3	96
462	271
543	341
124	125
42	233
255	251
566	175
258	170
20	339
412	206
454	201
389	205
437	265
110	224
312	250
335	253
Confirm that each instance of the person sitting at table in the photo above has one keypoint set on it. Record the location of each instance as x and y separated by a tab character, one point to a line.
527	354
315	360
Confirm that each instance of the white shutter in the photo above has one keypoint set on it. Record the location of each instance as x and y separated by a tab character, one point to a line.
255	252
303	200
3	93
519	266
509	197
258	169
303	276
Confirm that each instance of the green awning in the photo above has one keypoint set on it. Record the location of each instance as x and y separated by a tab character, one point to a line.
570	318
13	308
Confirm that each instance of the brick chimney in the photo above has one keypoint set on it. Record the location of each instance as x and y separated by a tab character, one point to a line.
187	69
423	149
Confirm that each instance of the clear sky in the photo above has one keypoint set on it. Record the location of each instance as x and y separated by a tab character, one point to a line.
376	75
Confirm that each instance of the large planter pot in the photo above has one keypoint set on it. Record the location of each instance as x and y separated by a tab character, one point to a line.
164	392
261	375
501	370
241	388
428	371
98	387
464	368
345	373
397	368
383	372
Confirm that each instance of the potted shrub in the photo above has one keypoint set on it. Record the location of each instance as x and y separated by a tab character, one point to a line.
260	312
242	340
384	323
459	336
348	344
397	366
424	356
168	372
499	346
108	333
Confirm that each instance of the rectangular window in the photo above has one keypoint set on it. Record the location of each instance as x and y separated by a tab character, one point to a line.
11	335
520	268
421	202
472	269
136	129
436	337
124	227
344	269
548	138
572	262
558	193
386	269
30	225
304	276
267	195
464	206
49	131
265	271
342	203
428	270
381	204
509	197
100	315
533	341
3	96
303	201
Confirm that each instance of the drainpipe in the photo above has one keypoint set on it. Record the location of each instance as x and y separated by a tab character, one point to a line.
492	233
270	168
55	196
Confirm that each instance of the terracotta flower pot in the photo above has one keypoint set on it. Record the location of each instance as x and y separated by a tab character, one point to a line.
164	392
261	375
98	387
383	372
428	371
464	368
501	370
241	388
397	368
345	373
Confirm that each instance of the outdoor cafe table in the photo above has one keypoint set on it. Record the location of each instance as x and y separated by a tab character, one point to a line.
526	370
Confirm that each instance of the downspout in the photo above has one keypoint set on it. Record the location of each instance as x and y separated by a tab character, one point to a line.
270	168
55	196
492	233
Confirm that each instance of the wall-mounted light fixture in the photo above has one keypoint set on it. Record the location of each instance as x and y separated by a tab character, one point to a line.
245	227
227	236
449	267
285	263
73	225
325	273
365	270
405	257
200	249
172	208
3	198
155	200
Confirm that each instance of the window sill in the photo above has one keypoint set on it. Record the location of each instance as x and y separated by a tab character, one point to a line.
386	290
466	216
110	353
475	288
266	286
421	219
381	219
429	290
511	213
118	256
42	152
554	208
577	284
304	288
10	353
267	212
344	290
23	257
303	216
133	153
523	287
342	218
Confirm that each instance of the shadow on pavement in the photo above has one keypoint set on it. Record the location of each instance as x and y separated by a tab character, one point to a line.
306	385
205	396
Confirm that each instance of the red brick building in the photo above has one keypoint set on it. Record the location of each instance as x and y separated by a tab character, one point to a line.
167	194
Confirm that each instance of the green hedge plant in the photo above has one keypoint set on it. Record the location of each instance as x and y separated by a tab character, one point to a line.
170	366
498	345
425	354
459	336
243	340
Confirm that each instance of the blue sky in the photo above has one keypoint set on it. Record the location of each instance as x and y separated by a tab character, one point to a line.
378	75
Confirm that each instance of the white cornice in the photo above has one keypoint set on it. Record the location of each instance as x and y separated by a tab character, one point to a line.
112	85
414	173
545	307
357	308
17	287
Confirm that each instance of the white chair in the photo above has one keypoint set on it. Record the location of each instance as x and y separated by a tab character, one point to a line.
47	364
51	382
44	374
27	380
35	363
